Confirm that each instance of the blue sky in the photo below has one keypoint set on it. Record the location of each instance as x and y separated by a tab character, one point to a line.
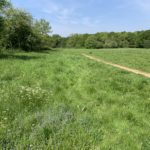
90	16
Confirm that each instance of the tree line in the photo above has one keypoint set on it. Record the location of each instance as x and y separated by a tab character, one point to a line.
140	39
19	30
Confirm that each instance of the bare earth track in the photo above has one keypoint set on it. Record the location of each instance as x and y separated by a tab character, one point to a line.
145	74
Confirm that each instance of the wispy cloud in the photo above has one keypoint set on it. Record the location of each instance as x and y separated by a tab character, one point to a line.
90	16
68	15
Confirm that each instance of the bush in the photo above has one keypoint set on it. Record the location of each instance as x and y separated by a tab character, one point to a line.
92	42
110	44
146	44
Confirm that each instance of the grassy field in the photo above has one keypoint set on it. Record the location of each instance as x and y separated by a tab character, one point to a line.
134	58
62	100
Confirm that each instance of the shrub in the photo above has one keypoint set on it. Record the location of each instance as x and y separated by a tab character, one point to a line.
92	42
146	44
110	44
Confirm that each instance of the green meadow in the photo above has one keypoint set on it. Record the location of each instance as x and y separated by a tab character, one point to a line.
61	100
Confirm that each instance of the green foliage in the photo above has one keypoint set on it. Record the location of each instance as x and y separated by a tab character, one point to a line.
3	4
72	40
123	44
144	39
76	41
42	27
110	44
104	40
92	42
1	26
146	44
20	31
55	41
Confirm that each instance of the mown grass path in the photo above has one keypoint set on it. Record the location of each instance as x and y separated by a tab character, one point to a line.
145	74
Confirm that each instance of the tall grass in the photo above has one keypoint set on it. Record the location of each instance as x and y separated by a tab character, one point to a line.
62	100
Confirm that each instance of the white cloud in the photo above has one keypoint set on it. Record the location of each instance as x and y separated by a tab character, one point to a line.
59	12
68	16
89	16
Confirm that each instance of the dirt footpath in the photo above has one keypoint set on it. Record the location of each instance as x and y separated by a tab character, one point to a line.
118	66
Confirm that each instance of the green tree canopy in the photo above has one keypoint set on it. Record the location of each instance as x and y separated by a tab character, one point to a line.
42	27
